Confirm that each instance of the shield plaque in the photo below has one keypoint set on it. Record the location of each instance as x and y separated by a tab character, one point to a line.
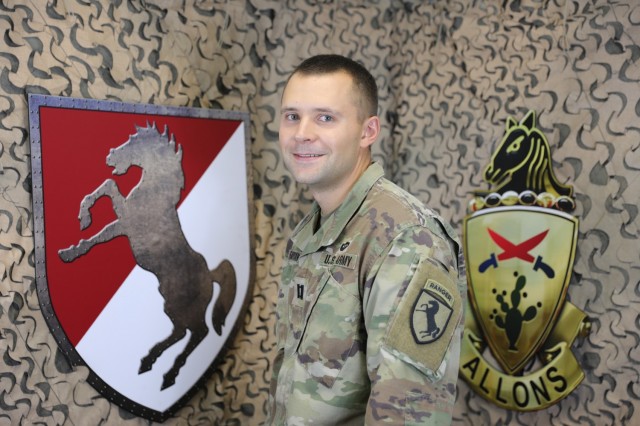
144	252
519	265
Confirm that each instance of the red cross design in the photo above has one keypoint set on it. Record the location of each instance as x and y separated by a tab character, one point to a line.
521	251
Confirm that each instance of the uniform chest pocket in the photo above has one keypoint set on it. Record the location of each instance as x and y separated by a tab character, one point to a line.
331	335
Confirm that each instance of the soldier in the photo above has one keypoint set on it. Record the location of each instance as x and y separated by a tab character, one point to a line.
369	313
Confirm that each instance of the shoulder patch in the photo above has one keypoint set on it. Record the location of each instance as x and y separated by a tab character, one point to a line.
424	323
431	313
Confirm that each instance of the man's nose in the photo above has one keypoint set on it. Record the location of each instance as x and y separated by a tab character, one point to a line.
304	131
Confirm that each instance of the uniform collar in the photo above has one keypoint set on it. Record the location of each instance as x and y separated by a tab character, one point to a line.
304	237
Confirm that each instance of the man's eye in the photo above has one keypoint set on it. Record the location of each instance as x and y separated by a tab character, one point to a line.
326	118
291	116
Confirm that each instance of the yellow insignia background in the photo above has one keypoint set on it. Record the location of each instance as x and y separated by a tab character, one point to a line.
493	292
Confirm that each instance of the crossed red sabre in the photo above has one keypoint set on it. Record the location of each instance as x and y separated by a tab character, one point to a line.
520	251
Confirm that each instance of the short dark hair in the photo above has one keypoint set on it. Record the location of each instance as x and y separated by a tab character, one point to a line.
362	78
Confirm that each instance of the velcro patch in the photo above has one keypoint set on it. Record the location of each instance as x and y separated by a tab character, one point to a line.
345	260
424	323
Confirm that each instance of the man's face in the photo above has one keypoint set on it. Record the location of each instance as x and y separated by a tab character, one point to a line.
323	132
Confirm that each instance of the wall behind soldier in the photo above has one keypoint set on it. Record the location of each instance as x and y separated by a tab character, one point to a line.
450	75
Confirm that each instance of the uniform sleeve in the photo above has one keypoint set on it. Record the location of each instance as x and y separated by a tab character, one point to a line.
412	308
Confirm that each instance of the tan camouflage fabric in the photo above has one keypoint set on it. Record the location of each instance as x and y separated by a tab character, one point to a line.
369	313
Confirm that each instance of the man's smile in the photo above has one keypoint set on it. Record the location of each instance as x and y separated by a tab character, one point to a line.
307	156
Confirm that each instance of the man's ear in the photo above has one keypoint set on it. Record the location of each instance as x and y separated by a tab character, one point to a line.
370	131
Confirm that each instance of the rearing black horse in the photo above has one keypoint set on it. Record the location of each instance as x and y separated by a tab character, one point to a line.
149	219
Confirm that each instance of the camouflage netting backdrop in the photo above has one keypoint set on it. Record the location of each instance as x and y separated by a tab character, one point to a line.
450	75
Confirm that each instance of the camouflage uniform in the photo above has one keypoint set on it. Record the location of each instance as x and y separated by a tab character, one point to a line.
369	314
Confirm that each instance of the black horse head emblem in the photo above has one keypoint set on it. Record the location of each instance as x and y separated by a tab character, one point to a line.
523	161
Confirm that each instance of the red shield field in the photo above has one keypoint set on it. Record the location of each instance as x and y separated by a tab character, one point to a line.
134	279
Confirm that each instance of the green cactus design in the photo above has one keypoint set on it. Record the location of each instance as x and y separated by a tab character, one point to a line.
513	318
